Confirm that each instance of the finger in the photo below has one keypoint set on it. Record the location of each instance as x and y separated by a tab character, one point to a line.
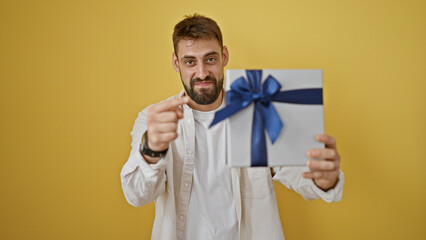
316	165
165	117
170	104
320	175
168	137
157	141
329	141
179	113
322	153
164	127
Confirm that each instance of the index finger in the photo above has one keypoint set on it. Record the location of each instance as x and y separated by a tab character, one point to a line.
170	104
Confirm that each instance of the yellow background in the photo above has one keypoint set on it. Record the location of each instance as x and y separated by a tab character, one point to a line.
74	75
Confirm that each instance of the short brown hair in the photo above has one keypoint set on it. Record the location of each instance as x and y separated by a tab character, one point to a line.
196	27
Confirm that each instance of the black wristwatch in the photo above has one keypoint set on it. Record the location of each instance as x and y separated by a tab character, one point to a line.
146	151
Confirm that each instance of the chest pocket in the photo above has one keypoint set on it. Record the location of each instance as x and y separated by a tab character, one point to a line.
256	182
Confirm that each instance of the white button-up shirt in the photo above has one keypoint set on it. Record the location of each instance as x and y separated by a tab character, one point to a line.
169	183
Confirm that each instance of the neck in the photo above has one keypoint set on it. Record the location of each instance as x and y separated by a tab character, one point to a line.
208	107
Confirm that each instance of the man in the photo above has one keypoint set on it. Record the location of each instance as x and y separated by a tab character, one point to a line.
179	162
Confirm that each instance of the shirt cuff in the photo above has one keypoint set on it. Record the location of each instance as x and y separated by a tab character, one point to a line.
332	195
138	161
160	165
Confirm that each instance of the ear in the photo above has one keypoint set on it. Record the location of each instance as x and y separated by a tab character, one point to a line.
175	62
225	56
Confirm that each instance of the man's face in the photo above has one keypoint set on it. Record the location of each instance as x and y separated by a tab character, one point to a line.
200	64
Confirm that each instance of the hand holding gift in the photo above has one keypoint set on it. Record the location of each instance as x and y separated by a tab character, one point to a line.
324	173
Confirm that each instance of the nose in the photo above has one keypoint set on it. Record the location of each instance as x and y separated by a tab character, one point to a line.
202	71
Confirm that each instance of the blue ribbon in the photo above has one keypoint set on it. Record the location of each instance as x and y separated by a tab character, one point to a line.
243	93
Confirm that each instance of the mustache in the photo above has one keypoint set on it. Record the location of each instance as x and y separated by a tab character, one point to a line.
197	80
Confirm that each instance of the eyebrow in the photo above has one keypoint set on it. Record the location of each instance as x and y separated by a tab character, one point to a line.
205	55
211	53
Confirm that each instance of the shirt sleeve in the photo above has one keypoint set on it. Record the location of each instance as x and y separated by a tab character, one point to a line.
141	182
291	177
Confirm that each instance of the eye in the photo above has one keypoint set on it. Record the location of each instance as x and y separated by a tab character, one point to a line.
189	62
211	60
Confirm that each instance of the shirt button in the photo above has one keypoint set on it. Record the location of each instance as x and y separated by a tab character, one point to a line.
186	184
190	152
181	217
149	184
189	120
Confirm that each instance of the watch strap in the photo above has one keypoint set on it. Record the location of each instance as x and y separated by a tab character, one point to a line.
146	151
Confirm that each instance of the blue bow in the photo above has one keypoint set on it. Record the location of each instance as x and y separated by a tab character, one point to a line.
243	93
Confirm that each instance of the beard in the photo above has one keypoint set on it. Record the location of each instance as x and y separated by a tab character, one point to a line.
204	96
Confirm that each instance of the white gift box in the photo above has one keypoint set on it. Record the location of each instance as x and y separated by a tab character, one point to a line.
301	122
